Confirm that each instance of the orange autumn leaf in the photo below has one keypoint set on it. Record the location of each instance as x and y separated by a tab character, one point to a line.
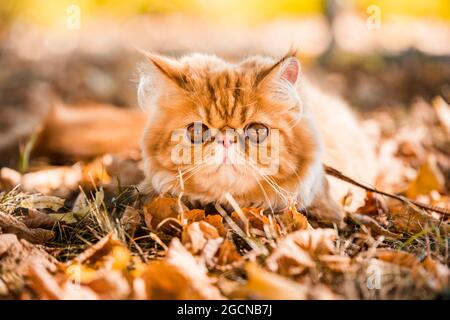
429	178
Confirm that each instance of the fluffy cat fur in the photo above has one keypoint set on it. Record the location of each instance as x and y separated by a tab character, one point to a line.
313	129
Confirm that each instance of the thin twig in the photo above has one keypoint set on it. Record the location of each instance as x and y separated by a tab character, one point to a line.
336	173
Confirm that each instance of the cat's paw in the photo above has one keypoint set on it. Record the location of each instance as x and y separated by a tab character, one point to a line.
327	210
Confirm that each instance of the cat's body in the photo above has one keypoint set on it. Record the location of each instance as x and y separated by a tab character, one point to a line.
302	128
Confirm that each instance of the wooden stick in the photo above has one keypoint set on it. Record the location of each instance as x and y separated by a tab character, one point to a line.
336	173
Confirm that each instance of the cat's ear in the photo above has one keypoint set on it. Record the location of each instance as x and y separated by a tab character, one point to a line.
281	79
159	76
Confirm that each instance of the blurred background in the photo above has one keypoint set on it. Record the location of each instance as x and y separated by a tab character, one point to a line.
379	55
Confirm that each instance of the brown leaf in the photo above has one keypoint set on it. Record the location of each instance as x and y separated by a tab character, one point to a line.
60	181
179	257
37	201
255	223
401	258
300	250
411	220
216	220
227	254
124	168
37	219
10	224
131	220
292	220
111	285
429	178
266	285
439	274
164	281
374	225
9	178
197	234
434	274
194	215
442	110
16	256
109	246
163	210
94	173
46	286
374	205
179	276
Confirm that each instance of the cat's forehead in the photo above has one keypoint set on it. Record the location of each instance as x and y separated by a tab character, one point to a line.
204	69
225	92
224	98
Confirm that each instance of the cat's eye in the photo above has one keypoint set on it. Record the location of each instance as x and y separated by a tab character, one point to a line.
256	132
198	132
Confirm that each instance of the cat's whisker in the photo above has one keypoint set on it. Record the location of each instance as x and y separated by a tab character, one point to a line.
267	178
264	193
288	164
180	174
196	169
254	165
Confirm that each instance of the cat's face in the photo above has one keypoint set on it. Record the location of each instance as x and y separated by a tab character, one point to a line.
216	127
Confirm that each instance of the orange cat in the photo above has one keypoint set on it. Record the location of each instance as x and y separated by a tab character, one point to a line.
254	129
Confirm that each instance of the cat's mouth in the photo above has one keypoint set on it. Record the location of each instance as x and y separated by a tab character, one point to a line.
228	165
228	168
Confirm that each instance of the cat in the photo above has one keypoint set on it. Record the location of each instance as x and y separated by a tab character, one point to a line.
206	115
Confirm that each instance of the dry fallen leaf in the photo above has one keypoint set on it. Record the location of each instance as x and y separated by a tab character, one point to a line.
413	220
374	225
46	286
442	110
94	173
227	254
440	274
255	223
162	213
165	281
60	181
37	219
374	205
9	179
292	220
216	220
266	285
112	285
107	246
131	220
126	169
194	215
429	178
194	270
197	234
100	272
400	258
43	202
16	256
179	276
300	250
431	272
10	224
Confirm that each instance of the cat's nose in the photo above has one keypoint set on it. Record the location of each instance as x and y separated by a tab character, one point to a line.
226	140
